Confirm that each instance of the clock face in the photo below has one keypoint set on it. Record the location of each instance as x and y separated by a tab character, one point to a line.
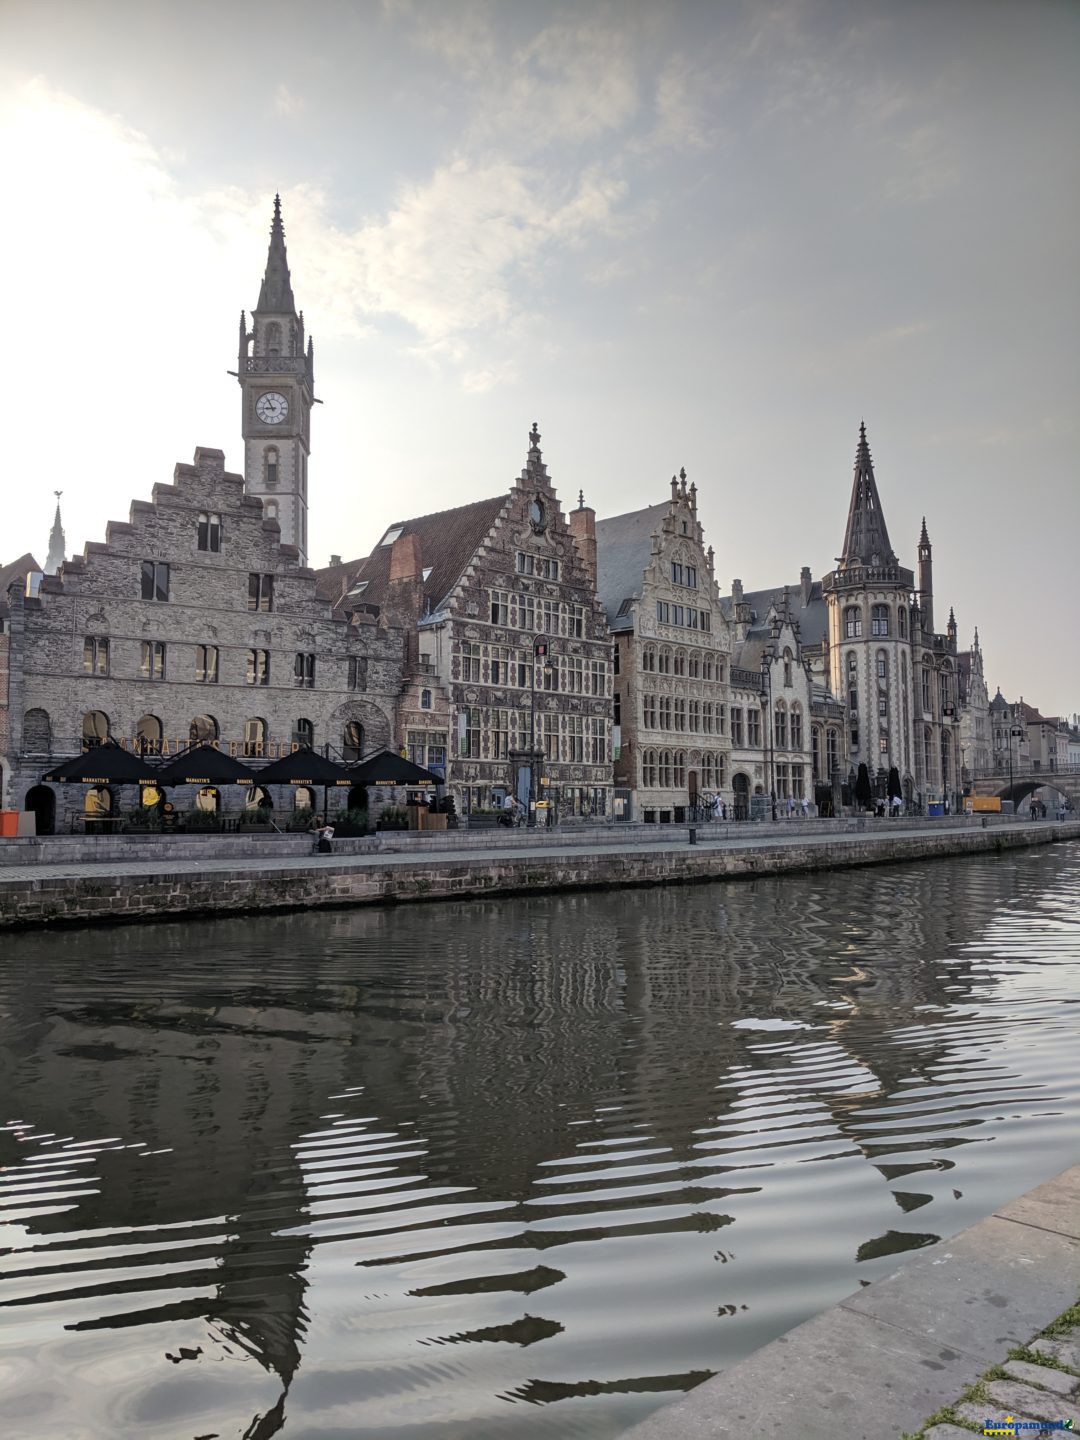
271	408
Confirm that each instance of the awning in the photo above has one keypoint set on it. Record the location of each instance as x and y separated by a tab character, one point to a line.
305	767
106	765
206	766
387	768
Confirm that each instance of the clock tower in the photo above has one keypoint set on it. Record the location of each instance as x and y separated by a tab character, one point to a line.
276	375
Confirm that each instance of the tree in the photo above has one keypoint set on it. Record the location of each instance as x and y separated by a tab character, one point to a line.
864	795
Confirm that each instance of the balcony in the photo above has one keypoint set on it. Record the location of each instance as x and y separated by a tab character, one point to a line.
862	577
275	365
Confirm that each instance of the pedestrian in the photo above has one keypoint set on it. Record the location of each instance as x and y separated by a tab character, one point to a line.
896	803
717	808
805	808
507	816
791	807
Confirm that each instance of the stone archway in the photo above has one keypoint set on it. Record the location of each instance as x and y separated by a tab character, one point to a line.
740	787
41	799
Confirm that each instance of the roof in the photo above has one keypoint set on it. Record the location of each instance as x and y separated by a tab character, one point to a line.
448	541
16	571
812	616
623	551
276	294
866	538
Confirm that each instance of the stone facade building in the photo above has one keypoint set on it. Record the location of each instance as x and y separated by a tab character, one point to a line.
506	627
672	659
976	741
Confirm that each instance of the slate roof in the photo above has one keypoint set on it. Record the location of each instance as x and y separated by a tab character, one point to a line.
623	549
448	542
866	538
812	617
14	572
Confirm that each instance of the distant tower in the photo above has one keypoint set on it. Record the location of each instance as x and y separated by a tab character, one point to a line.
276	377
57	543
926	580
867	596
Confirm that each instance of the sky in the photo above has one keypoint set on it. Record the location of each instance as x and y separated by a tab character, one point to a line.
712	235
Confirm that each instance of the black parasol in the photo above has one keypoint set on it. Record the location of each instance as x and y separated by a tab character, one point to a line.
305	767
386	768
106	765
205	766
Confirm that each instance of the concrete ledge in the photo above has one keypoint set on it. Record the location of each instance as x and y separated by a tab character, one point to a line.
883	1359
77	894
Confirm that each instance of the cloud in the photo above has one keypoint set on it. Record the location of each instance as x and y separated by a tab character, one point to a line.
286	103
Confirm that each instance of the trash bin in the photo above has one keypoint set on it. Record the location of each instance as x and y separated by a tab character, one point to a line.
935	807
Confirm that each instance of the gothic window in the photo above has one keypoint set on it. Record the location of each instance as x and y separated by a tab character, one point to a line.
352	742
648	712
304	798
901	616
680	769
95	655
815	751
852	623
666	769
270	460
879	620
254	737
680	662
95	729
926	690
665	712
736	725
260	591
680	713
853	684
425	699
694	668
753	728
206	664
648	658
209	535
148	734
787	669
796	727
258	667
357	678
37	732
780	725
707	668
203	730
152	662
663	663
304	670
303	733
273	338
208	800
155	580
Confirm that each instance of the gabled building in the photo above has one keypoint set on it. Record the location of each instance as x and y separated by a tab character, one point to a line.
976	740
508	682
656	582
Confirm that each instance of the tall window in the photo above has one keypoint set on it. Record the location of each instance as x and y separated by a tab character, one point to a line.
425	699
901	616
95	655
926	690
273	338
155	580
796	728
665	712
680	662
304	670
152	664
575	739
209	532
500	734
787	669
753	728
575	622
780	725
258	667
260	591
500	607
206	664
303	733
597	740
852	623
882	665
815	751
254	737
551	736
680	713
736	725
95	729
598	677
470	662
708	717
271	462
357	677
148	735
352	742
832	751
648	712
203	730
853	684
879	620
648	658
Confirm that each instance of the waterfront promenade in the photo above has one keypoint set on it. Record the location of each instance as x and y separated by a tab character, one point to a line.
177	879
950	1337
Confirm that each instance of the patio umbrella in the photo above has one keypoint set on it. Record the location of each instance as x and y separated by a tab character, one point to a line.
106	765
864	796
205	766
305	767
386	768
895	788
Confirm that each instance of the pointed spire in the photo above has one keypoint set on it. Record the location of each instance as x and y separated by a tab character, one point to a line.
276	295
866	539
924	538
57	543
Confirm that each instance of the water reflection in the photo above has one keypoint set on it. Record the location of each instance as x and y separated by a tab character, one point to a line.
508	1170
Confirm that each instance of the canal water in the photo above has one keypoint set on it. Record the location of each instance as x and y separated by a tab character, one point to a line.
508	1170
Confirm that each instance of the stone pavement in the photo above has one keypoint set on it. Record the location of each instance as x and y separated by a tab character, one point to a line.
945	1343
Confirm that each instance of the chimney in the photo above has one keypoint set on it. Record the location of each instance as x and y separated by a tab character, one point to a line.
805	583
404	603
583	529
335	559
405	558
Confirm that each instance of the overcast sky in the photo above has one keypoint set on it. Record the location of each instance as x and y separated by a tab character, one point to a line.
705	234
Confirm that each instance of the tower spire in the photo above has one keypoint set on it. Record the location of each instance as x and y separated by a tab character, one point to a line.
276	294
866	538
57	543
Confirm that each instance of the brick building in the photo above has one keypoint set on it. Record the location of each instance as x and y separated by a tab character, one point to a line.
484	584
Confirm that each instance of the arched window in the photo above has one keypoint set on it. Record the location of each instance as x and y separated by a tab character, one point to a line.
695	665
815	751
648	658
270	459
852	623
928	755
303	733
680	769
98	801
37	732
708	771
707	670
787	669
95	728
258	798
721	773
208	800
203	730
901	616
352	742
680	662
879	620
832	752
254	737
664	660
796	727
425	699
780	725
273	338
665	769
148	733
304	798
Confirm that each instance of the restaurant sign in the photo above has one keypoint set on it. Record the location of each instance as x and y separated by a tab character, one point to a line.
237	749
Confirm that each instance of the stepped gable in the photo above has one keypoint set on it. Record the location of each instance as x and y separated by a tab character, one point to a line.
448	541
623	552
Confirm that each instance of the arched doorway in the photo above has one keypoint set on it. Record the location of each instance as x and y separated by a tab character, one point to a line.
358	797
42	801
740	786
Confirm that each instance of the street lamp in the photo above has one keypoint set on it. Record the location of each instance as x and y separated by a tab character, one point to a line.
541	659
766	683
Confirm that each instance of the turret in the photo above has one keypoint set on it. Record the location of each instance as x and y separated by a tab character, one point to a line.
951	630
57	543
866	538
926	581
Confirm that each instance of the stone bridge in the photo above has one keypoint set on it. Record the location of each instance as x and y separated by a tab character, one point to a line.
1024	782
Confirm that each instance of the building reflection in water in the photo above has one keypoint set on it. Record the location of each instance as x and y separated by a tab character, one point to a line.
380	1167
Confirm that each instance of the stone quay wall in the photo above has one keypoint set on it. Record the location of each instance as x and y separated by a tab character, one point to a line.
104	893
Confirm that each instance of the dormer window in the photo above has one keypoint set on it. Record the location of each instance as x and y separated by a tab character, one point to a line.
393	534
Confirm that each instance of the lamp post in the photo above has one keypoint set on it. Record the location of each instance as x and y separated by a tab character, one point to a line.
540	659
766	688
